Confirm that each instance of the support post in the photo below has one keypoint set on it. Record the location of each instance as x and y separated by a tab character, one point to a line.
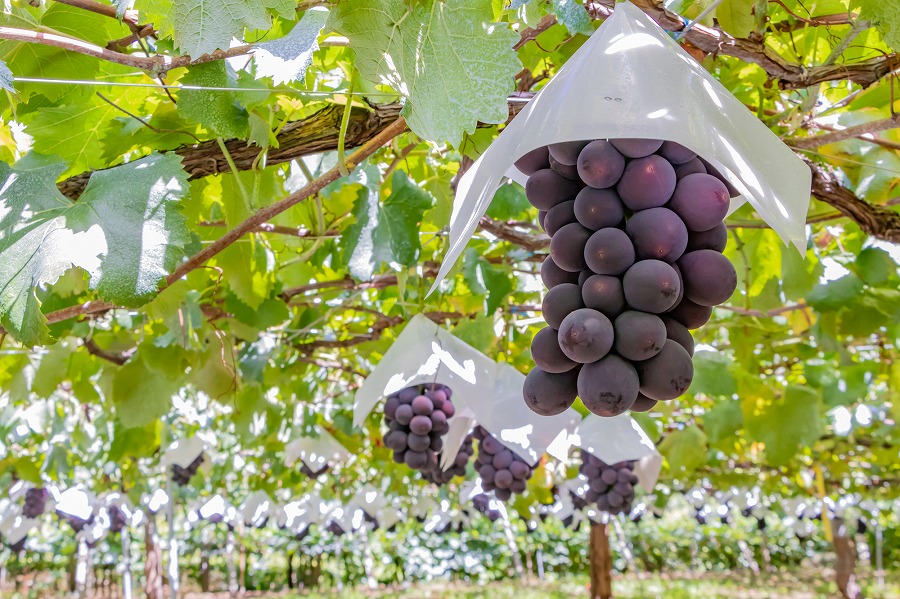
511	541
229	561
846	560
125	539
600	562
153	570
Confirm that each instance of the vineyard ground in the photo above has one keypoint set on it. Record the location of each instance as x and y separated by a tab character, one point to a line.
814	584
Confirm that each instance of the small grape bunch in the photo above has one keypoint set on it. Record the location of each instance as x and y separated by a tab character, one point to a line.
314	474
416	418
117	518
610	486
501	469
435	474
35	502
181	476
336	529
482	503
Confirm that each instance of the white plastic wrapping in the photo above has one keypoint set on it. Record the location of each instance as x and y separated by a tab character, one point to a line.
485	390
13	525
618	439
183	451
315	452
256	508
631	80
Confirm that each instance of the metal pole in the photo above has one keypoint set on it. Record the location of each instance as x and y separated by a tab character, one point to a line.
126	560
229	560
511	541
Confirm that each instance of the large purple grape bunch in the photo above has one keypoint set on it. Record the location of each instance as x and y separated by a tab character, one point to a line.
117	518
611	487
435	474
417	417
35	502
482	503
181	476
636	241
501	469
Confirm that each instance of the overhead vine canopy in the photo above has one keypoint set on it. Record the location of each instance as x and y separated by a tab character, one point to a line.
222	213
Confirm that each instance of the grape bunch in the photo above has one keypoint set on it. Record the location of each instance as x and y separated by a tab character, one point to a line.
611	487
18	546
636	241
417	417
435	474
314	474
336	529
117	518
35	502
181	476
501	470
482	503
75	522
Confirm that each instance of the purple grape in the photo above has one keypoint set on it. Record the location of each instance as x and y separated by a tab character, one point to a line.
609	386
651	286
560	215
709	277
604	293
547	188
597	209
585	335
668	374
609	252
552	275
691	167
658	234
549	394
647	183
567	152
567	247
701	201
533	161
639	335
559	302
600	165
676	153
636	148
691	315
548	356
713	239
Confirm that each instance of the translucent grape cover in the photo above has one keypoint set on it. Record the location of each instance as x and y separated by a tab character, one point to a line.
631	80
620	439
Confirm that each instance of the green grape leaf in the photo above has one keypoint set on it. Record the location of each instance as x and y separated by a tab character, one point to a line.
736	17
203	26
722	421
836	294
509	202
784	424
385	232
885	16
286	59
573	15
140	395
126	231
454	68
6	78
875	266
218	111
685	450
712	374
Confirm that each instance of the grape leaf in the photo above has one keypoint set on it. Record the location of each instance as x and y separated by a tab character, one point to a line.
6	78
286	59
202	26
388	232
573	15
125	231
722	421
454	67
218	111
885	16
140	396
736	17
783	424
685	450
121	7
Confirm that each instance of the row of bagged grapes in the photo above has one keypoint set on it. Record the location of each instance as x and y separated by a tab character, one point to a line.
636	239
